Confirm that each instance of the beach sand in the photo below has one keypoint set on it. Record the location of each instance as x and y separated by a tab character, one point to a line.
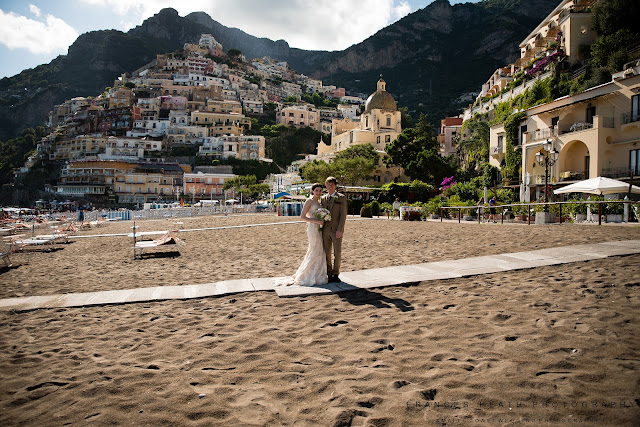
545	346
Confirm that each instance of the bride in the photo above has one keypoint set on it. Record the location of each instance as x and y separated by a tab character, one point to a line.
313	270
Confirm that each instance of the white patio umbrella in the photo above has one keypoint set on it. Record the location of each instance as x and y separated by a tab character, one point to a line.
599	185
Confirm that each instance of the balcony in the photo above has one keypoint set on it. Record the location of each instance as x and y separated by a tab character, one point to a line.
620	172
573	175
630	117
497	150
578	126
540	134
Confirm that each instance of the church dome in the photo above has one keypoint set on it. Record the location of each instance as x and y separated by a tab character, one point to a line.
380	99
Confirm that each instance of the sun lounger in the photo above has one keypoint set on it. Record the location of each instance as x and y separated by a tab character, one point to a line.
70	228
168	240
56	237
18	243
5	254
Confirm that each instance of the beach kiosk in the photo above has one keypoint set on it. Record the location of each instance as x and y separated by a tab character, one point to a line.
289	205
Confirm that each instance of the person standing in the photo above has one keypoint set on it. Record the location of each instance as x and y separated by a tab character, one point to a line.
492	209
396	208
313	269
336	204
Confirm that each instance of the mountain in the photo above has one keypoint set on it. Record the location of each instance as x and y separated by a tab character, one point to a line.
433	56
429	58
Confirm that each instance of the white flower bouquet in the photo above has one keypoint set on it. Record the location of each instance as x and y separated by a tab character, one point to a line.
323	215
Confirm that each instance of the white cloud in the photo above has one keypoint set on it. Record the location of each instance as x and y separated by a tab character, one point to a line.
52	36
320	24
35	10
401	10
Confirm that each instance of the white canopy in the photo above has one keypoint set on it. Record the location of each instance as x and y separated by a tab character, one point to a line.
599	185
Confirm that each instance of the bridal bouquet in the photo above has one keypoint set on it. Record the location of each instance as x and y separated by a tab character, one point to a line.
323	215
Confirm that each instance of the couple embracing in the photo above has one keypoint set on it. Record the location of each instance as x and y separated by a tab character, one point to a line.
325	217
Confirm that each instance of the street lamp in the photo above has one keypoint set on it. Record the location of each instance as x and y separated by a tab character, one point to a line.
547	159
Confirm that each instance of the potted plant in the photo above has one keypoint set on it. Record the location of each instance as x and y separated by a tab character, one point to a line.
577	210
614	211
520	211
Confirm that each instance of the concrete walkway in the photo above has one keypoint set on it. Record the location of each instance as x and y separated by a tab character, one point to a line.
352	280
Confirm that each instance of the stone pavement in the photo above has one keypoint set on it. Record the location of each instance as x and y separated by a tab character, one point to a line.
352	280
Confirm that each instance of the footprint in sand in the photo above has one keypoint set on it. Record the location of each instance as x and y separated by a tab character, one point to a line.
386	345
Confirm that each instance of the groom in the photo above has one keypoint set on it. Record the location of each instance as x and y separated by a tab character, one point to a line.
336	204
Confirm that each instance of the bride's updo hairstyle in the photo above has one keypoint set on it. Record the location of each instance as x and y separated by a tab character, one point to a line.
315	185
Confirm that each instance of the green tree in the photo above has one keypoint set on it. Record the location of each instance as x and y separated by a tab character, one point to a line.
247	185
474	149
610	16
406	121
352	170
360	150
609	51
316	171
234	53
417	151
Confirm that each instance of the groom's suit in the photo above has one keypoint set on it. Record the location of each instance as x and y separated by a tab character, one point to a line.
337	206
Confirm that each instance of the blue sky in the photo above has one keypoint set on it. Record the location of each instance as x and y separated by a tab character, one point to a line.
35	32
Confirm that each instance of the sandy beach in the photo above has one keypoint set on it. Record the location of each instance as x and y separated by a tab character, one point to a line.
545	346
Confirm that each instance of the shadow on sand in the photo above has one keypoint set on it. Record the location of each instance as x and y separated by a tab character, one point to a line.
360	296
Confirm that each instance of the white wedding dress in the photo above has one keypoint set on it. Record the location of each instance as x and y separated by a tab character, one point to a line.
313	270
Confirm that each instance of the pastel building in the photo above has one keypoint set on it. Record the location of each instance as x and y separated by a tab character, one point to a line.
595	132
299	116
379	124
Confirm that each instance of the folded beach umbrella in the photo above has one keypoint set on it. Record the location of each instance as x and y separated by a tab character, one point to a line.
599	185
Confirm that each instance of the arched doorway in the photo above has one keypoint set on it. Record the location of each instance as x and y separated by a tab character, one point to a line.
574	161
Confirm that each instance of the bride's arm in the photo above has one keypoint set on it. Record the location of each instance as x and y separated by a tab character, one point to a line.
305	211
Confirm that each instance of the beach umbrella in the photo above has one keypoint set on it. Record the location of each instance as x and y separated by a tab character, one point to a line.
280	195
599	185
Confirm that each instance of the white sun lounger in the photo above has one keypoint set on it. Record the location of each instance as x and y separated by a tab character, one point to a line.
55	237
167	240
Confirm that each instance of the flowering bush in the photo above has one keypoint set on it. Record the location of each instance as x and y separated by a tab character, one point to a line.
447	183
544	61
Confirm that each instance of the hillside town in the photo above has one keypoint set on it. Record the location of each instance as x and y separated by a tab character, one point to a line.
114	146
110	144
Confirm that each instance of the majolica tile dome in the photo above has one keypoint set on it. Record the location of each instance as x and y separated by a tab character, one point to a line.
380	99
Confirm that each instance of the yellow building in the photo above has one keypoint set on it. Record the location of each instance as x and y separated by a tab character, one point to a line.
596	132
206	118
379	124
145	183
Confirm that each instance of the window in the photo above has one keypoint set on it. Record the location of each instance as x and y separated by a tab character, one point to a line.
634	161
387	138
366	121
591	111
388	120
635	108
500	140
523	129
378	140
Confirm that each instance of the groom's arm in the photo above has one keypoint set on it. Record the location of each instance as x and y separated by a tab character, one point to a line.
343	215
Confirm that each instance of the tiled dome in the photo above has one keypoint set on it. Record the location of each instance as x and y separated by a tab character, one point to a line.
380	99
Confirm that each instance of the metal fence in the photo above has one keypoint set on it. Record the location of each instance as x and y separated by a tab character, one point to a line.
470	213
126	214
